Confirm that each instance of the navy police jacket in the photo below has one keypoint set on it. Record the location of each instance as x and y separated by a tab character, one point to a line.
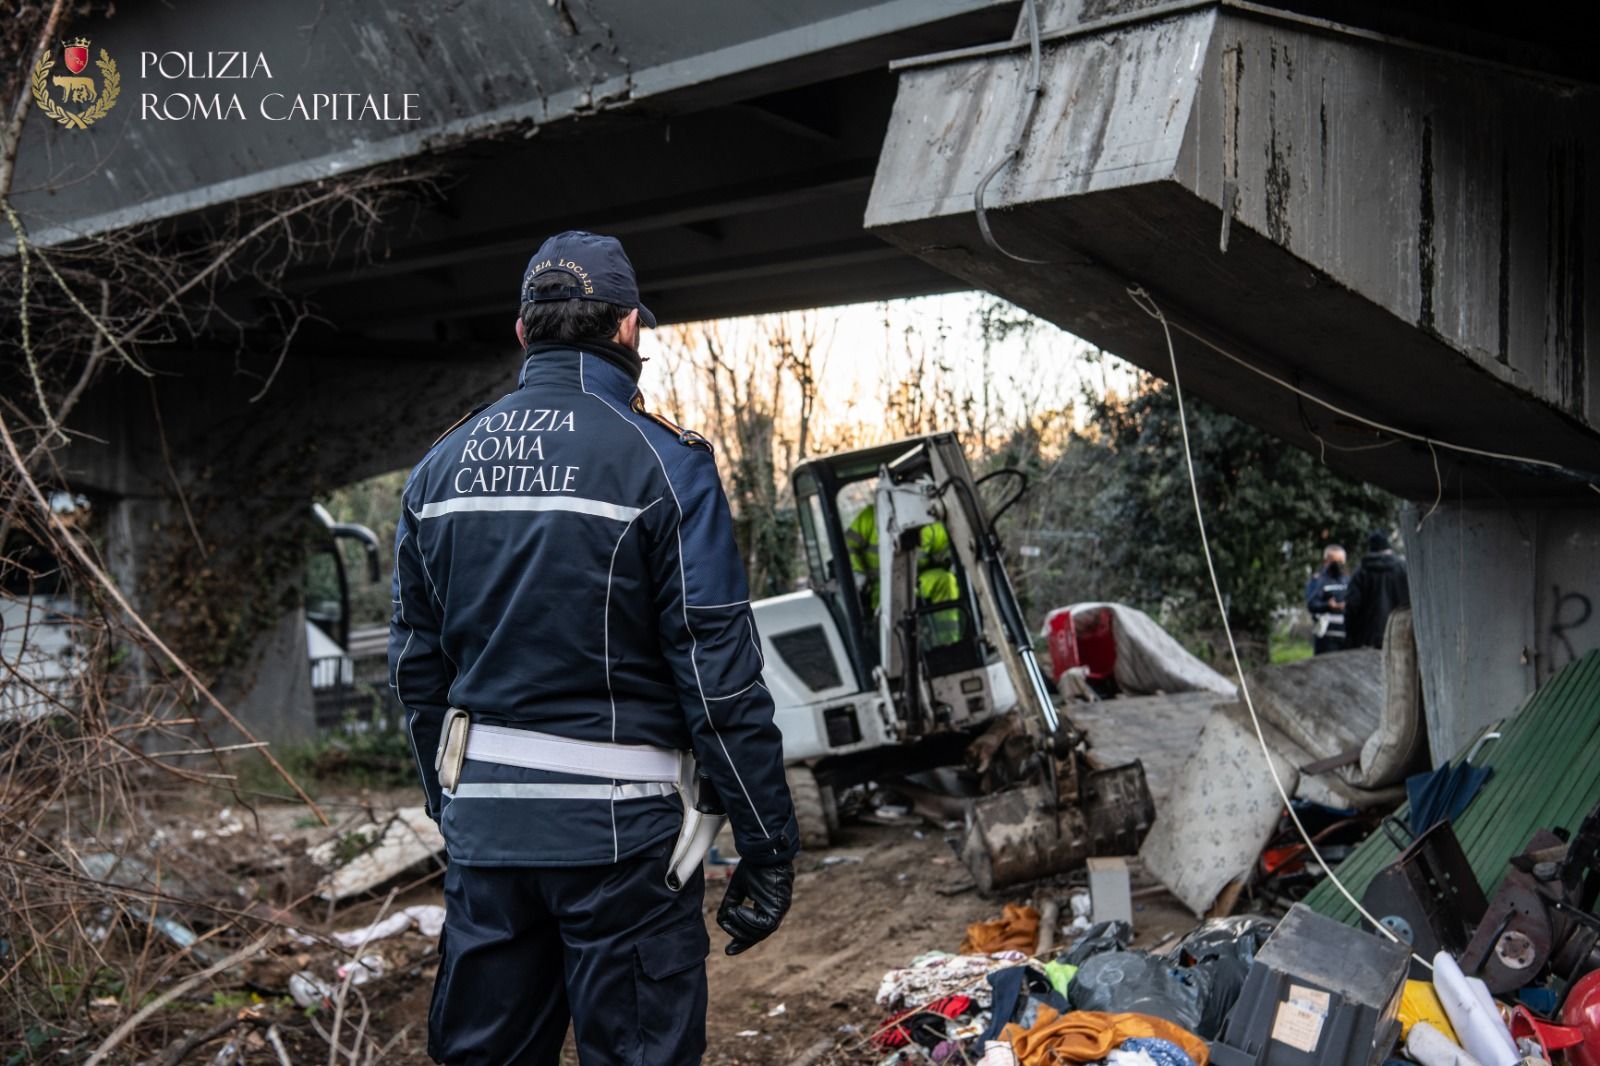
565	563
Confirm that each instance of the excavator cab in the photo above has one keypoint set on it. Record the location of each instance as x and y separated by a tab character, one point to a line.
897	574
908	651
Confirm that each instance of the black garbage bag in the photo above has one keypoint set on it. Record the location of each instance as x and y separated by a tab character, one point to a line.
1141	983
1238	937
1222	949
1097	940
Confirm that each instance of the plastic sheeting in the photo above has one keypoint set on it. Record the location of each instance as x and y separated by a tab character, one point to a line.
1149	659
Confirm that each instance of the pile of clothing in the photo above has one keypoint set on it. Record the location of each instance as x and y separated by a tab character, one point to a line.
1094	1001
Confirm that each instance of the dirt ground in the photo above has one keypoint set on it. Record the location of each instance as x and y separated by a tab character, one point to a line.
879	897
851	922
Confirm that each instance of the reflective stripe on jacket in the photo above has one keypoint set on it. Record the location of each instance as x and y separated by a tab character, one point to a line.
566	564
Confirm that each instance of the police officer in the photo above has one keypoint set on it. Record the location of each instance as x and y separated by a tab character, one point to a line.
1325	593
571	628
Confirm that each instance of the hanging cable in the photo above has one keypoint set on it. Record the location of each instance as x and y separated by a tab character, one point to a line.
1014	148
1145	301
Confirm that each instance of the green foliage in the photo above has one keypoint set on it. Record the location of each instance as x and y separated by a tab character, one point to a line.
235	999
1269	511
32	1044
360	755
1108	515
1290	650
351	844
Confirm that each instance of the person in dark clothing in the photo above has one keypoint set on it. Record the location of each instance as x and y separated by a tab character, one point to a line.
573	641
1325	600
1380	586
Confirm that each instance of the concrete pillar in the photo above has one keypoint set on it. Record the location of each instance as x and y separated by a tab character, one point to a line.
1505	595
203	493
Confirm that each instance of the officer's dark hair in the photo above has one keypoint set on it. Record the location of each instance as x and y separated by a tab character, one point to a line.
568	321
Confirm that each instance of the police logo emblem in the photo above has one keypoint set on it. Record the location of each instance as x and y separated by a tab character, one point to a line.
76	87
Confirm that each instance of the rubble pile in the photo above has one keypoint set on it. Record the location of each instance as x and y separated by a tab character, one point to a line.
1471	937
1247	990
230	936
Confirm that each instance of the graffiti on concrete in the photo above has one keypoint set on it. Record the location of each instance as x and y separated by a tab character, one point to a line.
1569	611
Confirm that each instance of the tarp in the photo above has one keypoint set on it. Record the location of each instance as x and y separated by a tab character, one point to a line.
1148	658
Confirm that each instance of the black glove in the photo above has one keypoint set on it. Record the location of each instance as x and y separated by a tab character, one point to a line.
768	888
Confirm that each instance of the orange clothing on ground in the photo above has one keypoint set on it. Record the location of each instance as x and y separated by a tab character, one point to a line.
1017	929
1089	1036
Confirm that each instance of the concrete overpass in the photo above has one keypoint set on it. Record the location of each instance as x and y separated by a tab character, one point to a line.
1410	235
1349	230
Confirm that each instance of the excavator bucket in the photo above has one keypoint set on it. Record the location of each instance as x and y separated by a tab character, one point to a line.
1031	832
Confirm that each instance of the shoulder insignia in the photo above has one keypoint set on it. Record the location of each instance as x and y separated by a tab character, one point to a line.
458	423
686	437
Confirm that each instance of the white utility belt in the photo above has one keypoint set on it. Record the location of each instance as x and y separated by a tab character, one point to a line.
644	770
635	772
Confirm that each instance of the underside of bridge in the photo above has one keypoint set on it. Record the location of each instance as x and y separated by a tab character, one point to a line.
1377	250
1395	218
732	147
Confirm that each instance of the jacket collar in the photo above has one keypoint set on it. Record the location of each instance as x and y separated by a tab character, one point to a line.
591	371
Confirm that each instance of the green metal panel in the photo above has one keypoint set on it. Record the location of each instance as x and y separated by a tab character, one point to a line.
1546	775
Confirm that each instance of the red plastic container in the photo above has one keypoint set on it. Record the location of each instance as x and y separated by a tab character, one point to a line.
1097	642
1063	641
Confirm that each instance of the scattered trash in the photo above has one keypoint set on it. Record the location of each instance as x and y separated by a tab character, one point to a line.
1473	1014
1430	1047
1110	890
132	873
363	969
428	919
1303	990
939	973
1582	1012
1122	649
1020	993
363	857
779	1009
1097	939
1084	1037
1017	929
1555	737
926	1025
1428	894
1222	949
1316	978
1060	974
309	990
1344	731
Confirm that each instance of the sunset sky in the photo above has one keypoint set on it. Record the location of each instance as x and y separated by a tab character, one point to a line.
866	348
